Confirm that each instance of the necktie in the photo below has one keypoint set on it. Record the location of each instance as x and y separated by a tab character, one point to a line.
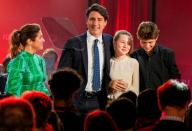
96	67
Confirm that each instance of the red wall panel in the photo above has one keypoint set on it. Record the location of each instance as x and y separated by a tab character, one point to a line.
66	13
175	22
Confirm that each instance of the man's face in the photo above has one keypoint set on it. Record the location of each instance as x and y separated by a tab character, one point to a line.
148	45
96	23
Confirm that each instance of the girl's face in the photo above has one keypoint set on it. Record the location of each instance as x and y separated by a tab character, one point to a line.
122	46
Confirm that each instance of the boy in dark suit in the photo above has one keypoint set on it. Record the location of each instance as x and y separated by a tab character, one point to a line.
156	63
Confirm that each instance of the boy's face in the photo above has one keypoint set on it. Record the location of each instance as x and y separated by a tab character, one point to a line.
148	45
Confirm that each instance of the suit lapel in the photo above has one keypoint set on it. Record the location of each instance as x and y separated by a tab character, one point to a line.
83	46
107	53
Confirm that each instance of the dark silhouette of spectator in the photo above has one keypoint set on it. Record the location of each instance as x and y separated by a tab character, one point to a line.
99	121
148	112
123	112
188	117
3	75
3	79
43	107
16	114
129	95
173	99
63	84
55	121
5	63
50	57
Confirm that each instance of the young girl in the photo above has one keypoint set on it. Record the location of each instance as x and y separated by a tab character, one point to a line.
124	70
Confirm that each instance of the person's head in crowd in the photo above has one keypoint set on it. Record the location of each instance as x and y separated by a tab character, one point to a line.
42	105
16	114
5	63
147	33
174	96
27	37
129	95
147	105
188	117
50	57
3	75
64	83
122	43
99	120
123	112
97	17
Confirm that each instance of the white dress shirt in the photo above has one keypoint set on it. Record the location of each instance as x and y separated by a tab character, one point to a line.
90	44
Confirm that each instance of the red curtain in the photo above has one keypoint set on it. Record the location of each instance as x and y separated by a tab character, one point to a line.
126	14
119	14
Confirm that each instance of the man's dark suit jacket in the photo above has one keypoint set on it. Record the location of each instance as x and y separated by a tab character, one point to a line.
74	55
166	125
169	125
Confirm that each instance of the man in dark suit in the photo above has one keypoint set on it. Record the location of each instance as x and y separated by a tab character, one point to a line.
173	97
83	52
156	63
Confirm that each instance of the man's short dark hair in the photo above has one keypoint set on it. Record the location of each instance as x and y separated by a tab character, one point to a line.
123	112
147	30
64	82
147	105
98	8
173	93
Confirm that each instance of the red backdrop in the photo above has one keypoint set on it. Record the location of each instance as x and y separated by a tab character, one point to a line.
175	23
126	14
65	15
173	18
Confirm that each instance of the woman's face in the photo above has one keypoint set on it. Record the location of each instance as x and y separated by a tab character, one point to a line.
38	43
122	45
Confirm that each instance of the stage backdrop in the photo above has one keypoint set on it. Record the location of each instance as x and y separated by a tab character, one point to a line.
59	19
175	23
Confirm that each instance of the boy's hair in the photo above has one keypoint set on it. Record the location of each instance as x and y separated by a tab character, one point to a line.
147	30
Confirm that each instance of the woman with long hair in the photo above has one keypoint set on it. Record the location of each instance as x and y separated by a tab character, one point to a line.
26	70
